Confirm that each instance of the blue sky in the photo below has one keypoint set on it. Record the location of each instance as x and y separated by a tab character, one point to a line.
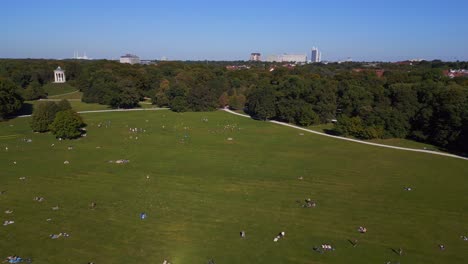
230	30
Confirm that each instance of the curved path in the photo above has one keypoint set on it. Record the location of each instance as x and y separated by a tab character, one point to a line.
354	140
288	125
57	95
113	110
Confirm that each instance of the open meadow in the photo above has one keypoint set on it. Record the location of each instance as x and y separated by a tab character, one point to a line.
201	178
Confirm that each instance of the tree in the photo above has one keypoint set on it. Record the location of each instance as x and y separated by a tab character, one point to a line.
223	99
10	101
43	115
261	103
127	98
63	105
323	99
67	124
201	98
34	91
305	115
450	111
179	104
160	97
237	101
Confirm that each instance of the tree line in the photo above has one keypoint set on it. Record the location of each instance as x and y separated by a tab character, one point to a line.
410	100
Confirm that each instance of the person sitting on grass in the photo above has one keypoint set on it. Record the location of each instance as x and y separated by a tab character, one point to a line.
242	234
362	229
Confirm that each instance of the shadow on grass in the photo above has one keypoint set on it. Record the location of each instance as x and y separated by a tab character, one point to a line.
26	109
331	132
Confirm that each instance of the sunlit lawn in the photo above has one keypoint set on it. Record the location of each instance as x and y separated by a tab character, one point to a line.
199	190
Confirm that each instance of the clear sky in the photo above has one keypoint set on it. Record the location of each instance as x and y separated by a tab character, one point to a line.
386	30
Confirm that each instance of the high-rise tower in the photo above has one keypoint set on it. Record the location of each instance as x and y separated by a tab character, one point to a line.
316	56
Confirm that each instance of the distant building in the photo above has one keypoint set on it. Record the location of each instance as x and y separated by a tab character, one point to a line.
297	58
237	67
77	56
274	58
456	73
316	55
255	57
130	58
59	75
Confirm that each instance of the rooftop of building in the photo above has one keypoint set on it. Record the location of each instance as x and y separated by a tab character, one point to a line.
130	56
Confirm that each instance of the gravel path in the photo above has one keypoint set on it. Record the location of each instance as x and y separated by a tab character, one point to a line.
354	140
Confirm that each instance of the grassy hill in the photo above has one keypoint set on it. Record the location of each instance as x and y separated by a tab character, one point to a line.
75	95
203	189
58	88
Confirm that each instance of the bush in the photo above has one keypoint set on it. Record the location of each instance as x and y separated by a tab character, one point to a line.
353	126
43	115
179	104
67	124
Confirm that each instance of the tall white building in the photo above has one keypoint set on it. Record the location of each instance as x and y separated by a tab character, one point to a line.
316	55
59	75
255	57
130	58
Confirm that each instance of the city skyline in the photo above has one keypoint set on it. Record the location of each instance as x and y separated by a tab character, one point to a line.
210	30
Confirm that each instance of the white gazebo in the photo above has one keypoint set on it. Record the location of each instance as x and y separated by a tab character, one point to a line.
59	75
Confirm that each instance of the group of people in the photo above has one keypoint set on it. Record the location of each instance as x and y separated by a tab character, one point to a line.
55	236
16	259
327	247
362	230
323	248
309	203
38	199
8	222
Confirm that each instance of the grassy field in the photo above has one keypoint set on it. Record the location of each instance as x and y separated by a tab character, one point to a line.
75	95
76	105
199	190
58	88
398	142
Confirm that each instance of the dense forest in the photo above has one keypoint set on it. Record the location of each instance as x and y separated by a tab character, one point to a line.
365	100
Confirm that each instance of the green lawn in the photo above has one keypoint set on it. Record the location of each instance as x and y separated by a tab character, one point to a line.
203	189
58	88
81	106
398	142
75	95
76	105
